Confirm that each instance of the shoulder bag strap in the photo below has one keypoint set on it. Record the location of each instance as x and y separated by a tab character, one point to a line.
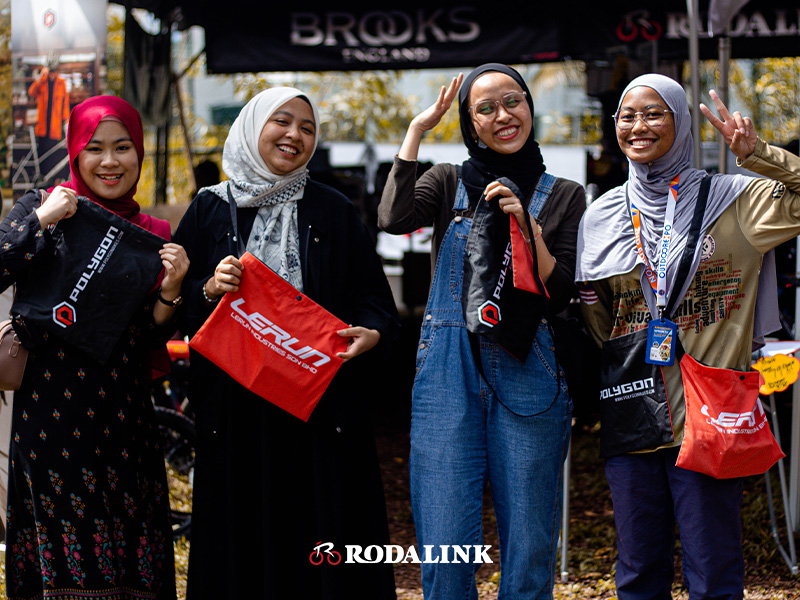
691	243
239	245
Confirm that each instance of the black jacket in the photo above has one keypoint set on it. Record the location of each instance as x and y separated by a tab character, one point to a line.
265	480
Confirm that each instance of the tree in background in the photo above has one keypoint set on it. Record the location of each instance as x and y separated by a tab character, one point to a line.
769	92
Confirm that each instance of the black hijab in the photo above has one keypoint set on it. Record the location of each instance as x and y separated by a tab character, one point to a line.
484	165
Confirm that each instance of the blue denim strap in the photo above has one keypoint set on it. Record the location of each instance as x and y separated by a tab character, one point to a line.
462	201
540	194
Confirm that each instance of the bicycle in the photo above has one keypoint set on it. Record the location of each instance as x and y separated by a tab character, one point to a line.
177	437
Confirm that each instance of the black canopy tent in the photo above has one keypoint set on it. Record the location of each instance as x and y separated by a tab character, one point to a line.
348	35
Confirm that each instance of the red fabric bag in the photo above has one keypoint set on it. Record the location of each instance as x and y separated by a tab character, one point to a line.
274	340
726	432
522	261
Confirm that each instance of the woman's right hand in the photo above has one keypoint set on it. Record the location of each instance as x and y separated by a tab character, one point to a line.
428	119
62	203
227	277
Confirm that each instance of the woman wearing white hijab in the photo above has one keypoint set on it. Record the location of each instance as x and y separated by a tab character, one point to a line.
716	319
269	487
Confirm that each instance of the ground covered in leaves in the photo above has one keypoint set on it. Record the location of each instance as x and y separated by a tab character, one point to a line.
591	541
591	550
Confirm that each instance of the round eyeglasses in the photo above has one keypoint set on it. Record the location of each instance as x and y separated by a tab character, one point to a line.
487	109
652	117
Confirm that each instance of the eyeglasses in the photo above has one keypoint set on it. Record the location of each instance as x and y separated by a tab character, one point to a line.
486	109
652	117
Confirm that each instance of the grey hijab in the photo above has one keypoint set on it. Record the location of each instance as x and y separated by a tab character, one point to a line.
606	244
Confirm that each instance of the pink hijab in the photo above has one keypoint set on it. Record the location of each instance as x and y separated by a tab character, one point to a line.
83	122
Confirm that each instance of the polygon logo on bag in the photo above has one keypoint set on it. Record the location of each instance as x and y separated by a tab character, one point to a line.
262	327
64	314
626	391
489	313
101	255
502	279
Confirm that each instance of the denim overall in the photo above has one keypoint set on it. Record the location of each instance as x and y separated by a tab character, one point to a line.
509	427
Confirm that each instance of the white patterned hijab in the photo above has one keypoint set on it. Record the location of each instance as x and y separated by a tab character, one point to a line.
274	238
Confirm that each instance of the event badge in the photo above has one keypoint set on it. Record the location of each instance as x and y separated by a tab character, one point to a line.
661	340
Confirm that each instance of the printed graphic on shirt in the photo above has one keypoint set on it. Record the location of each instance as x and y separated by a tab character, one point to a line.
715	294
708	248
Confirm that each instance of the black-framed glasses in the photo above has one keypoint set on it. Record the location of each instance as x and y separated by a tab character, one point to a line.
488	108
652	117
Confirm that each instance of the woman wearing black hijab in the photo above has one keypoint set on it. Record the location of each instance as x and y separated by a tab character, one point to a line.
480	412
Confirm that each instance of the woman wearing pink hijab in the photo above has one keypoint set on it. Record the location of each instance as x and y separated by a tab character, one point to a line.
88	503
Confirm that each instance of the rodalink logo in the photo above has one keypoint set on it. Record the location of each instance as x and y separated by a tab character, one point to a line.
392	554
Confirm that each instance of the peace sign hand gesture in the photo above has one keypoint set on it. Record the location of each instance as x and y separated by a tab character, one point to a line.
738	131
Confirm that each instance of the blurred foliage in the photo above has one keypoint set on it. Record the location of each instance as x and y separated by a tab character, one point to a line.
769	89
353	106
115	50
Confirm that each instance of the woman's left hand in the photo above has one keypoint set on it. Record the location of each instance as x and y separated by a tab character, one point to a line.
738	131
508	202
176	264
362	339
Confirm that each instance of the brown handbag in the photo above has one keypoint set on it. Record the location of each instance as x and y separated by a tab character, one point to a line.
13	357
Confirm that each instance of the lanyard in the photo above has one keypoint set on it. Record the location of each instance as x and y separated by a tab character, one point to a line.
657	279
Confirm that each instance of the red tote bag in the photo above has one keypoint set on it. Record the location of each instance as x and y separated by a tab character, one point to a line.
274	340
726	432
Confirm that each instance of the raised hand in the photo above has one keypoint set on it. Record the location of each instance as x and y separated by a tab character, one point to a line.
428	119
62	203
431	116
738	131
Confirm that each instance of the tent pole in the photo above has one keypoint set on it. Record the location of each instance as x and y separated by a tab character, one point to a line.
694	58
724	47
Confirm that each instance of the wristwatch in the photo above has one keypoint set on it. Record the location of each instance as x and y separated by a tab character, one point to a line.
173	303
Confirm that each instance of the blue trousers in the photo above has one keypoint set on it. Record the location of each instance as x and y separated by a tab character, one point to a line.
650	496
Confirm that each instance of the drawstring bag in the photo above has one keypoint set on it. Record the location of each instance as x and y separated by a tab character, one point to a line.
86	293
273	340
726	433
494	305
634	411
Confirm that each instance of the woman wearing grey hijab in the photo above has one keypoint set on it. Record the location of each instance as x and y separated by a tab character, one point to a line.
632	243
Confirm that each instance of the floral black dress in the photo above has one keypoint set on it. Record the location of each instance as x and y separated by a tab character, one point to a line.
87	496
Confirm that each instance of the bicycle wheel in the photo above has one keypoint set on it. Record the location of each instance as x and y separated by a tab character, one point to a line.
177	438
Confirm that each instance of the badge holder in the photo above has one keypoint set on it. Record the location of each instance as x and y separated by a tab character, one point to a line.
662	335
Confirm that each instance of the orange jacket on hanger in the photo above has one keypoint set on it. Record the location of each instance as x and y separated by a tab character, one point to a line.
39	90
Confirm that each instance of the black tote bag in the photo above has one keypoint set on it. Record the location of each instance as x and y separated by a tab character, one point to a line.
99	273
493	306
633	400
